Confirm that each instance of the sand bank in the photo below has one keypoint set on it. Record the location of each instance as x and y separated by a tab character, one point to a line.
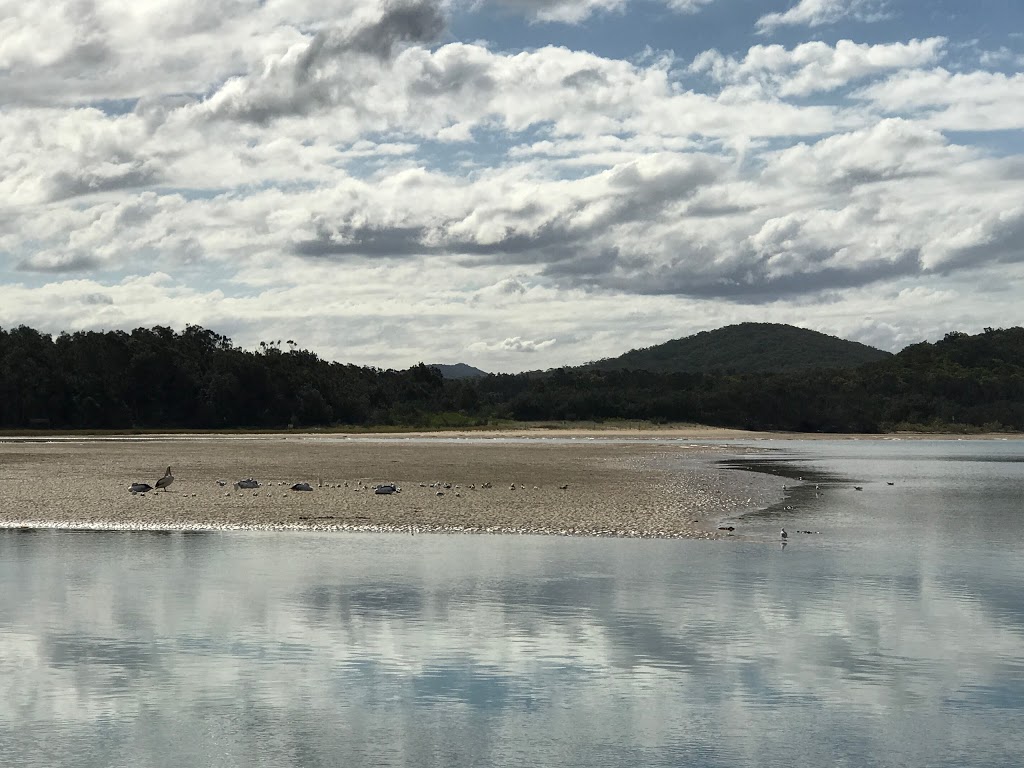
613	487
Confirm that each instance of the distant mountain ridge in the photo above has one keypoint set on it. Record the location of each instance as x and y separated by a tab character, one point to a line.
747	348
458	370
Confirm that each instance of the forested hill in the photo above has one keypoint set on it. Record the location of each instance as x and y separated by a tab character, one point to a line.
196	379
457	370
747	348
959	383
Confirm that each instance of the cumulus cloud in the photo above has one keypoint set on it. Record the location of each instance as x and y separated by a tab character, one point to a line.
563	11
687	6
814	67
514	344
1001	57
816	13
518	221
683	224
72	52
891	150
325	69
303	164
960	101
577	11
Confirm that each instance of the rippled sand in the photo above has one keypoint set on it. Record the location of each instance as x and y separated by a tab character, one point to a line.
614	488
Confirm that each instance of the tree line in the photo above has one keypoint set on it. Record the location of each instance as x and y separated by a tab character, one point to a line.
157	378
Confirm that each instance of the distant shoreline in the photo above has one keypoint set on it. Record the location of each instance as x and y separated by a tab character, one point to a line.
527	430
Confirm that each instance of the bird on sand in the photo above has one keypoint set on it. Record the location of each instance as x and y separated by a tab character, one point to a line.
140	487
784	534
302	487
166	480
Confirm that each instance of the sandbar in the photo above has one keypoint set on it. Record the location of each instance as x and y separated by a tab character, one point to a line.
566	484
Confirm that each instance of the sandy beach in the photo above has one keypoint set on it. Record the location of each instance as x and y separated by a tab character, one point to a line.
497	483
618	482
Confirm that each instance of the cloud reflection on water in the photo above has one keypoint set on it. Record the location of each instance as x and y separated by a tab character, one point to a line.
293	649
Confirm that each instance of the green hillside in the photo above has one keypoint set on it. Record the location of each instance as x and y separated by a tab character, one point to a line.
747	348
457	370
160	379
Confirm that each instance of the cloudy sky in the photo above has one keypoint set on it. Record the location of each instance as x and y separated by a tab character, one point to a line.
516	184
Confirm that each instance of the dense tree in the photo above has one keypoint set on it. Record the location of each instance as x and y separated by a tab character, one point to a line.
157	378
747	348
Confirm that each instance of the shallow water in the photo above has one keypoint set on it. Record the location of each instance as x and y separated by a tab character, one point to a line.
894	637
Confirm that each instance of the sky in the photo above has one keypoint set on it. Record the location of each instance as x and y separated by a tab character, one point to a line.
513	184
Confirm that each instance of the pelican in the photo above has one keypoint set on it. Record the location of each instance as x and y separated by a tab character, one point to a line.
166	480
247	484
784	534
302	487
140	488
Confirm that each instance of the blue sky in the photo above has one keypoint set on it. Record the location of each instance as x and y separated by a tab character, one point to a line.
731	27
516	184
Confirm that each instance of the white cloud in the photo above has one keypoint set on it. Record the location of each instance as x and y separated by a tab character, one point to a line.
890	150
1001	57
816	13
565	11
64	51
960	101
348	171
513	344
688	6
848	210
814	67
578	11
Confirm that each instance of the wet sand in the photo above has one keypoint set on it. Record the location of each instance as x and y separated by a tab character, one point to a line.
614	487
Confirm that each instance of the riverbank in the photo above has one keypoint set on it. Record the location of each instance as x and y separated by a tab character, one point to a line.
607	486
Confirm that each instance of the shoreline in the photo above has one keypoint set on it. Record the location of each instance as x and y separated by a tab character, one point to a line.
528	431
659	483
574	487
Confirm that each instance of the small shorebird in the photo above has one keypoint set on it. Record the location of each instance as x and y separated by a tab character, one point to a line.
166	480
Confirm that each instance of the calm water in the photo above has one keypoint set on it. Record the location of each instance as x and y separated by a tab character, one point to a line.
894	637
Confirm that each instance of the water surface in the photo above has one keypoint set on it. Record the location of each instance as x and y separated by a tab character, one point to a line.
894	637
